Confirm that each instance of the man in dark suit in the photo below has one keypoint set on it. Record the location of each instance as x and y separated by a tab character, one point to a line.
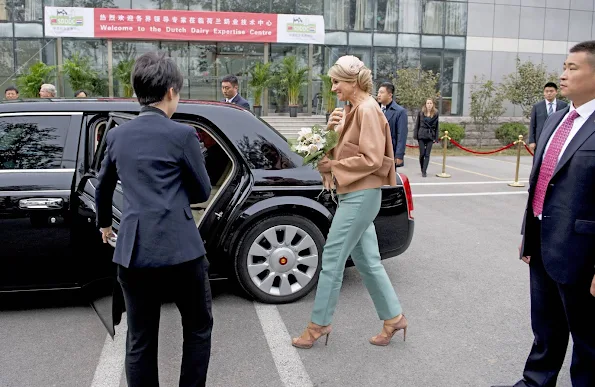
229	87
396	116
159	252
542	110
559	232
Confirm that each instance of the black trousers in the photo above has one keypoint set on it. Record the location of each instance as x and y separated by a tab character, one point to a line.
556	311
187	284
425	149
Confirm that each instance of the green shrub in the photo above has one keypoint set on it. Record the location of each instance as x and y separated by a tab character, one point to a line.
509	132
456	132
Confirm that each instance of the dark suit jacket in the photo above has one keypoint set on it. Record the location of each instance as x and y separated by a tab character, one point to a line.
238	100
568	220
162	170
538	118
396	116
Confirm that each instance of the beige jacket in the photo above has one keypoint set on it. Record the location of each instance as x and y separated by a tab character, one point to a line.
363	157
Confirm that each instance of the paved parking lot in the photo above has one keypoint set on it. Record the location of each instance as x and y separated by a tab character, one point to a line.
463	290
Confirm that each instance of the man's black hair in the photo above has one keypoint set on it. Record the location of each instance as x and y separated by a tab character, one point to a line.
11	88
80	91
587	47
231	79
153	75
550	84
388	86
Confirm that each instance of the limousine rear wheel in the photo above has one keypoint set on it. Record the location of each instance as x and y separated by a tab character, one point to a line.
279	259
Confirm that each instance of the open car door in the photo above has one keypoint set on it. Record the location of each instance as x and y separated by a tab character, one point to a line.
101	287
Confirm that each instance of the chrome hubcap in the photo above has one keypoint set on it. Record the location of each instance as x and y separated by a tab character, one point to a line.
282	260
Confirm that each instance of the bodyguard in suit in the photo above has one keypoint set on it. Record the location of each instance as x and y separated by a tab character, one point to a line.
542	110
229	87
159	252
396	116
559	232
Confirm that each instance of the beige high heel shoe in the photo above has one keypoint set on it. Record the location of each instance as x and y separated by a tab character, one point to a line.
313	332
389	330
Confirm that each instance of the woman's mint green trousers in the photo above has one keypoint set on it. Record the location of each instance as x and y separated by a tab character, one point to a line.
352	232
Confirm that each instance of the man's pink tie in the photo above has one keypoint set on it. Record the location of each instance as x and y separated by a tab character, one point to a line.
550	161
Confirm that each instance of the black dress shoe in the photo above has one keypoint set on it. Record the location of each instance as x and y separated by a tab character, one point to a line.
423	174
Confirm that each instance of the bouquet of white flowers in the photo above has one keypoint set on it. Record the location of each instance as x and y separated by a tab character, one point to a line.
313	143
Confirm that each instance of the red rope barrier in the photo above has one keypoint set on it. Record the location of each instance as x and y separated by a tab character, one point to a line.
480	153
529	150
411	146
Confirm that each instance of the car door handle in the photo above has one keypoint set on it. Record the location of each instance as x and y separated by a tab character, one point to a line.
113	239
41	203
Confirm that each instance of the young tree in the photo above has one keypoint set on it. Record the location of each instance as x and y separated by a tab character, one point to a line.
413	86
486	104
524	87
31	80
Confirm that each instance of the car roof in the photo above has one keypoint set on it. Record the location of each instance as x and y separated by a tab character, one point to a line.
237	123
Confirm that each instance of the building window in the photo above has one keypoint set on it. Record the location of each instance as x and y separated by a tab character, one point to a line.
283	6
386	16
362	15
310	7
257	6
408	57
433	17
410	16
336	14
385	64
455	18
21	10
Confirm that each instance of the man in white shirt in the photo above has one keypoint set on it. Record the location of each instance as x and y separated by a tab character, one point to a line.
542	110
559	232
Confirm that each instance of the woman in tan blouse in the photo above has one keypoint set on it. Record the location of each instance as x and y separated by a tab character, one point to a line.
361	163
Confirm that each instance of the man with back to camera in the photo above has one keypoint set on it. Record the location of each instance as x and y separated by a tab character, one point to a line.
396	116
542	110
559	232
159	251
229	87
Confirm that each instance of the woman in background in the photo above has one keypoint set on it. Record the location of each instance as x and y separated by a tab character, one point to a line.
426	133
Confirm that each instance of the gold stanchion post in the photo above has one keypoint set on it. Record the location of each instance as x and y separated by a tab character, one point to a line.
520	143
445	140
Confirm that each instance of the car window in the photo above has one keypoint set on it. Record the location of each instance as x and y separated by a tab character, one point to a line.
32	142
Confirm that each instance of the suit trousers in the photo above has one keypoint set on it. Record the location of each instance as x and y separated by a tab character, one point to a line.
557	310
352	232
187	284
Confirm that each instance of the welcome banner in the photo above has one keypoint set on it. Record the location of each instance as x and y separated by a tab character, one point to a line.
116	23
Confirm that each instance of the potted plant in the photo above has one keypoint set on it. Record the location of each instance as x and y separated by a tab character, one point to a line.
260	78
328	97
35	76
292	78
123	74
80	74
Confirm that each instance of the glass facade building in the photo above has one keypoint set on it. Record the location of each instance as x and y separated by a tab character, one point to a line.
386	34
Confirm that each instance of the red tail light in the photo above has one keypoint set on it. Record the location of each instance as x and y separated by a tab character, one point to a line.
408	194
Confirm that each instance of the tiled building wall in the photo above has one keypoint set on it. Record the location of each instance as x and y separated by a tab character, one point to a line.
541	31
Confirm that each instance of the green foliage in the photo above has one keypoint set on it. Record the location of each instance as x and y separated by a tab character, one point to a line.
36	75
455	131
413	86
292	78
80	74
509	132
327	94
524	87
260	78
123	73
486	104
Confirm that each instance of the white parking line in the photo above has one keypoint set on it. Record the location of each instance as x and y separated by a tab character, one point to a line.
111	362
524	192
289	365
465	183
